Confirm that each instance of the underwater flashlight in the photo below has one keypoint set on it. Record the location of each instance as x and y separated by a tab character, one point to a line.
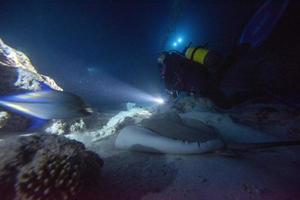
159	100
175	44
179	40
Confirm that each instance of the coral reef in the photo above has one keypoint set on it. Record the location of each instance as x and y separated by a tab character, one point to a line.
77	126
124	118
60	127
46	167
3	118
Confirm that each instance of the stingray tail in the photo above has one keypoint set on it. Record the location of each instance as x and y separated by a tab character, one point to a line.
264	145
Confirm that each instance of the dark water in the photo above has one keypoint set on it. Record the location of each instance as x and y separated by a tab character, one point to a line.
106	51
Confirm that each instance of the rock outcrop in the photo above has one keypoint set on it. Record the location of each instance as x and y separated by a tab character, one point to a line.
17	74
124	118
27	76
46	167
3	118
61	127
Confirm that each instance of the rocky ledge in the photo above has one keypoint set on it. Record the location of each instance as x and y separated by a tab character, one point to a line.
17	74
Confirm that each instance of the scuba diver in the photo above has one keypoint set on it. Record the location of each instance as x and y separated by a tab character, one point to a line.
250	71
245	74
199	72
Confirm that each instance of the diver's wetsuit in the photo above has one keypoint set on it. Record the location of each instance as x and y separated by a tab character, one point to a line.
181	74
243	75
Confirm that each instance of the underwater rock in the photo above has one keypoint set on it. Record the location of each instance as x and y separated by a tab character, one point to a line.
82	130
60	127
17	74
3	118
273	118
12	58
192	103
130	105
27	75
46	167
124	118
18	79
12	122
77	126
15	123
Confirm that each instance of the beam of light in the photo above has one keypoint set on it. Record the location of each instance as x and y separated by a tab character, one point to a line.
15	106
109	89
175	44
179	40
159	100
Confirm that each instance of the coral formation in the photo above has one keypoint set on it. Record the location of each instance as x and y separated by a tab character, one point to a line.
61	127
58	127
10	57
124	118
46	167
3	118
77	126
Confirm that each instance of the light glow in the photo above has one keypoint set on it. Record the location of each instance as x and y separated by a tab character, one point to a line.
175	44
159	100
179	40
115	91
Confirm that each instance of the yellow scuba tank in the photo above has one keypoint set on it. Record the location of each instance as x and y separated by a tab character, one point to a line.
202	55
197	54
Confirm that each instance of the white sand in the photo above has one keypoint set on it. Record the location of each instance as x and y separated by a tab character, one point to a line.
257	175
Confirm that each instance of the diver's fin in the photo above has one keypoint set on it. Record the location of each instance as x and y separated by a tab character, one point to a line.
263	22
